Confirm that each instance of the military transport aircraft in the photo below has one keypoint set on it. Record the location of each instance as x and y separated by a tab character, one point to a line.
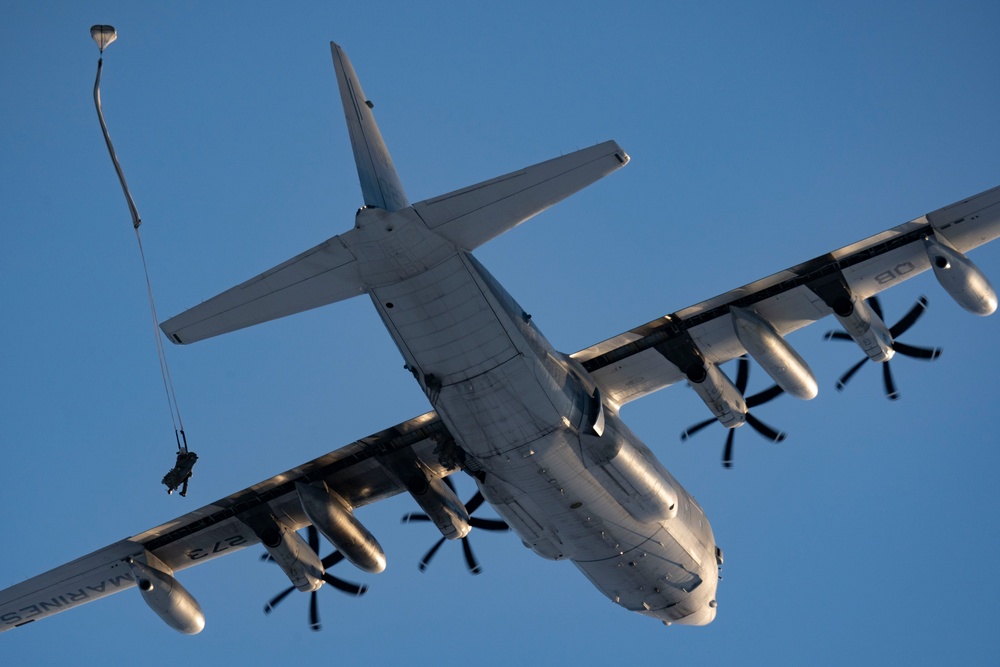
539	431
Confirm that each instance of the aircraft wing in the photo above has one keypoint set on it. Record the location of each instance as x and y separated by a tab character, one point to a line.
363	472
634	364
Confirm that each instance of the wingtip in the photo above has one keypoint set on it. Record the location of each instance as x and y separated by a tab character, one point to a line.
171	334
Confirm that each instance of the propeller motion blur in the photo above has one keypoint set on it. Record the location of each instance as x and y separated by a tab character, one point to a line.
338	583
760	398
474	522
539	431
904	324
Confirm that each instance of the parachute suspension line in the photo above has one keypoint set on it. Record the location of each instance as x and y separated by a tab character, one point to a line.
178	476
161	353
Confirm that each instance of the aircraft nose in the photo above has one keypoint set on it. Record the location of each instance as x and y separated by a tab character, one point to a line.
703	616
704	613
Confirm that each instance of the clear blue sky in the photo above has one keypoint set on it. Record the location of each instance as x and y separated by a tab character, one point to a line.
762	134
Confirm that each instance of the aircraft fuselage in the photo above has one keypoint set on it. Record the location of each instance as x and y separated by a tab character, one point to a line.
549	455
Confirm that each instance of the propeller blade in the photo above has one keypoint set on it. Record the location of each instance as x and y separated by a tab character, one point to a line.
837	335
425	561
890	386
485	524
488	524
470	558
763	397
727	453
928	353
474	502
332	559
314	613
764	429
266	558
277	598
876	307
742	374
312	536
842	382
691	430
910	318
895	331
335	557
345	586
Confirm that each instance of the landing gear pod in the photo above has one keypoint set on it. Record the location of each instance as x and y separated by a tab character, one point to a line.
774	354
637	485
962	279
168	599
334	518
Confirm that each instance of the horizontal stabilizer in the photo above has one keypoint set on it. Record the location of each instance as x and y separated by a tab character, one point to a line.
472	216
321	275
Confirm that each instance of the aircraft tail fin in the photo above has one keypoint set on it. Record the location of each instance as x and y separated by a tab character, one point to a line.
380	183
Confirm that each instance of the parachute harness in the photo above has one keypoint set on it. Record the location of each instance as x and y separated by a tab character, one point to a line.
179	475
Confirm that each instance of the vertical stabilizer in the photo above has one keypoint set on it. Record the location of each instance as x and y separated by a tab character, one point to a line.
379	182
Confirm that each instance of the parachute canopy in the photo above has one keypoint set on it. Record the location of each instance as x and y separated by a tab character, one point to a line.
103	35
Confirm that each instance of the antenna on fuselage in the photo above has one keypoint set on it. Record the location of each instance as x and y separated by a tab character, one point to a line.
178	476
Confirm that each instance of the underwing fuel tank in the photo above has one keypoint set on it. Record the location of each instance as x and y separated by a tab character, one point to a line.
962	279
335	520
774	354
168	599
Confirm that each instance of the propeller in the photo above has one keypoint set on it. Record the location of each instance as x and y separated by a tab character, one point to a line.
312	537
484	524
742	376
896	330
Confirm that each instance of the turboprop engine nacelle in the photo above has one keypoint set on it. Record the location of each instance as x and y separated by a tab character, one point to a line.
866	328
168	599
774	354
962	279
296	559
443	507
720	394
335	520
